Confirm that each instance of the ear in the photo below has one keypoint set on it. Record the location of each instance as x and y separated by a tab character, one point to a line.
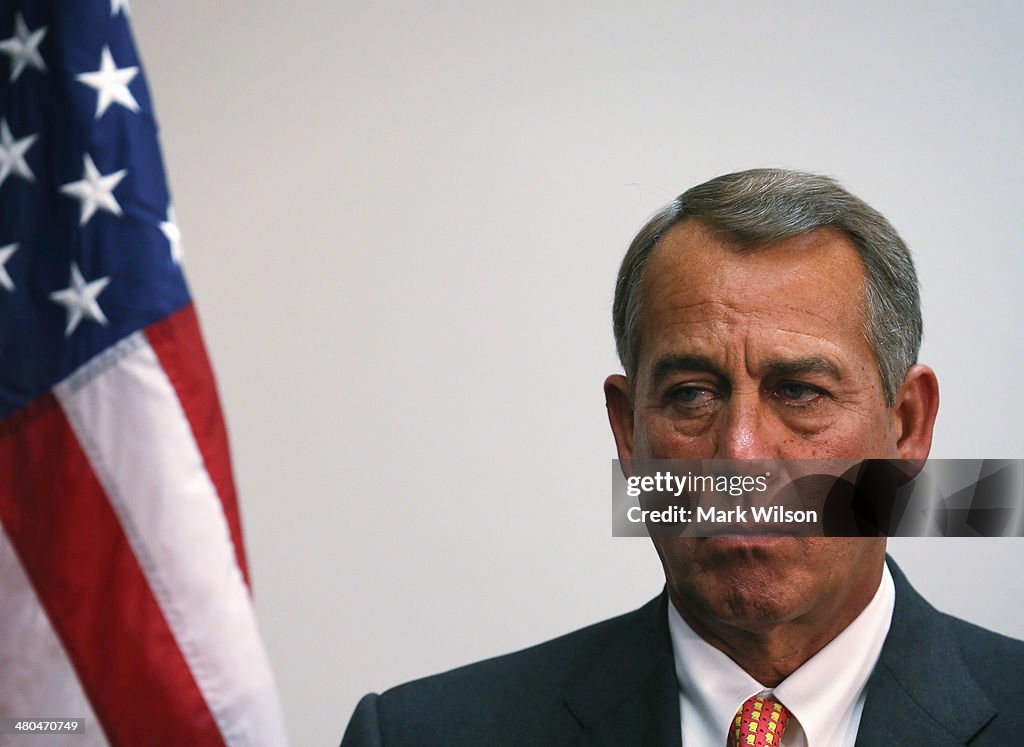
620	414
914	411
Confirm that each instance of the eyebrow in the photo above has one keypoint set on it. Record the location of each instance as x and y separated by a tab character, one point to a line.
676	363
810	364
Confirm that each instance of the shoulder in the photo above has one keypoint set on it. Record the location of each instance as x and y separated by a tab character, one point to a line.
516	698
995	661
515	689
936	669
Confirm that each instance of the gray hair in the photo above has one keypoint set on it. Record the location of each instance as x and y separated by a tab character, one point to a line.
756	208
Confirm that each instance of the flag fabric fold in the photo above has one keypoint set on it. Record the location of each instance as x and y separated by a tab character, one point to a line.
123	577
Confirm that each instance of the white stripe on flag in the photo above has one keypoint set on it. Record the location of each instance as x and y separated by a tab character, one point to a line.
38	680
131	426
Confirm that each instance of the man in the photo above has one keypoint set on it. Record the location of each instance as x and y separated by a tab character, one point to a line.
762	315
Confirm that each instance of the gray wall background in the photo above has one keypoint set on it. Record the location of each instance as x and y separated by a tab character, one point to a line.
402	223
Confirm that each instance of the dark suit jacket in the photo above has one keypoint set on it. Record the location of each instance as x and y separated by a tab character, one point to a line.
939	681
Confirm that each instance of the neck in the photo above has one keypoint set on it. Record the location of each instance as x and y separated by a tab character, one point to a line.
770	652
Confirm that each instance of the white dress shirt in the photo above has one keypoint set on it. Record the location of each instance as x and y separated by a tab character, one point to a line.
825	696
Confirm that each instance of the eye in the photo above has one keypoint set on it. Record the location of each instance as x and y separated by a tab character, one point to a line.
799	395
687	393
690	397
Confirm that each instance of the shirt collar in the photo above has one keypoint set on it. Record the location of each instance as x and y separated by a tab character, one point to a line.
821	694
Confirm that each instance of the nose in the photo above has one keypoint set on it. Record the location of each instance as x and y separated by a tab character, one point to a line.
744	429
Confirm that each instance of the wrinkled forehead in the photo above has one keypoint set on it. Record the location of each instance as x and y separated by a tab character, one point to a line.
811	284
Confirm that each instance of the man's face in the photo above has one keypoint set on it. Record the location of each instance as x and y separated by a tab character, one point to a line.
759	356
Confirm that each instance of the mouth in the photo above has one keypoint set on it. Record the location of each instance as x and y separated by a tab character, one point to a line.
747	542
750	529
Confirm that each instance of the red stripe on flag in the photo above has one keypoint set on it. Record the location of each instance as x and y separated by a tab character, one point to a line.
77	557
179	347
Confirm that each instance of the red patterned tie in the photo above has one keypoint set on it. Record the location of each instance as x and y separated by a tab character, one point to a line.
759	722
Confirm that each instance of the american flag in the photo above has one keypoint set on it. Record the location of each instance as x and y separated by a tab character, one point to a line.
124	595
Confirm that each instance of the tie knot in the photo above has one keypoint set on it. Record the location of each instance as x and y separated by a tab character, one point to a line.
759	722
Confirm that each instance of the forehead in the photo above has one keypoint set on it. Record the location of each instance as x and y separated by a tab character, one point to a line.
806	288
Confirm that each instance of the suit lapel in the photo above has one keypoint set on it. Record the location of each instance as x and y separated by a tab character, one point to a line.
629	694
921	692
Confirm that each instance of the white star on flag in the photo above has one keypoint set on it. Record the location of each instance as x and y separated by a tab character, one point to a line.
80	299
12	154
23	47
95	190
111	82
172	233
116	5
6	252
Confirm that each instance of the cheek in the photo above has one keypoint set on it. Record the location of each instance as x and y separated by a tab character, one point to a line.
661	437
862	437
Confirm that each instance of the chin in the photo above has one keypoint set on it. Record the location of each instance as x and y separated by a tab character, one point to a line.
746	607
736	579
